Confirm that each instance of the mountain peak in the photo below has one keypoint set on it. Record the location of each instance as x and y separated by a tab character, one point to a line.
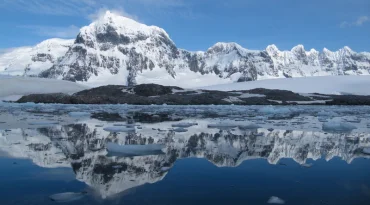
299	48
325	50
112	22
272	50
347	49
225	47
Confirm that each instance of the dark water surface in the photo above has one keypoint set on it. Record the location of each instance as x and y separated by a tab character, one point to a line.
210	162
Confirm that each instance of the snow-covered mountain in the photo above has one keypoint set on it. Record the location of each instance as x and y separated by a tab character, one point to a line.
118	50
31	61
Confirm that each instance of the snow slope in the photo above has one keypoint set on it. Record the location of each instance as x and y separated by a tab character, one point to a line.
30	61
12	88
325	84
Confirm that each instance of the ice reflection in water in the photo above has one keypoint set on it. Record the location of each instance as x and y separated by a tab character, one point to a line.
82	145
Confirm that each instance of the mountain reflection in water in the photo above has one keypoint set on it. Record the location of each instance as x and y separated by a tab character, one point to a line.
83	147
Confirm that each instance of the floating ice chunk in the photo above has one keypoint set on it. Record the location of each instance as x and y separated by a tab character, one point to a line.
260	118
307	165
180	129
249	126
184	124
79	114
119	129
354	121
275	200
118	125
117	166
327	113
134	150
43	123
337	126
67	197
165	169
130	125
322	119
259	134
223	126
275	110
366	150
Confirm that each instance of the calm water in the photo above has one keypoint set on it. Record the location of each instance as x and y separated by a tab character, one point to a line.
289	156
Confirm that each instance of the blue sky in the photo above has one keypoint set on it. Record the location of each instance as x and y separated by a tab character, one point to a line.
198	24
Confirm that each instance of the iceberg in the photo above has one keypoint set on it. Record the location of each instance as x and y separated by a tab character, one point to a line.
165	169
337	126
275	200
43	123
180	129
366	150
249	126
67	196
184	125
119	129
79	114
134	150
223	126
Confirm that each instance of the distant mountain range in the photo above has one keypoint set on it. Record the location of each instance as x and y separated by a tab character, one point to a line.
118	50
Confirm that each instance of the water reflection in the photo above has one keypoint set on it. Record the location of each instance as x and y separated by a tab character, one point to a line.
83	147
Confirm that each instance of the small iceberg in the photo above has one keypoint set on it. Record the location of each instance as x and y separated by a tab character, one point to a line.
275	200
249	126
43	123
117	166
180	130
307	165
273	110
337	126
366	150
165	169
119	129
327	114
118	125
79	114
223	126
67	196
134	150
184	124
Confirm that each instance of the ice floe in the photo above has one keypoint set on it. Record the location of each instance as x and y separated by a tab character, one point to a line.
275	200
184	124
337	125
119	129
67	197
134	150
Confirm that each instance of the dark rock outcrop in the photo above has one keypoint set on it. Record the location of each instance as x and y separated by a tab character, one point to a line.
148	94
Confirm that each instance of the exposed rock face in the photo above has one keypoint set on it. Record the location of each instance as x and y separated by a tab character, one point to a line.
148	90
118	50
148	94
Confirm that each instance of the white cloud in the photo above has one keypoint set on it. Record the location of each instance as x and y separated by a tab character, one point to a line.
120	11
359	22
52	31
